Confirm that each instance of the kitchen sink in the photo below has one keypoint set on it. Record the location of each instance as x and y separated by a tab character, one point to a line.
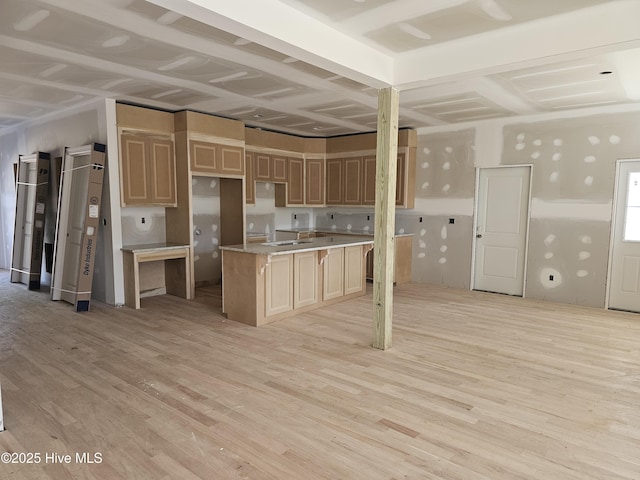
283	243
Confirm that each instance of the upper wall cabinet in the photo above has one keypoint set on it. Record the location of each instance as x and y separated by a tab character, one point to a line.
216	159
270	167
147	159
314	181
148	171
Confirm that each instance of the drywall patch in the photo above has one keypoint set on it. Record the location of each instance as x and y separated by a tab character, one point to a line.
422	244
536	155
443	232
593	140
425	185
537	142
614	140
448	149
553	178
443	248
426	150
558	142
442	261
548	255
550	277
586	239
446	166
584	255
520	146
425	165
582	273
549	240
589	159
556	157
423	232
215	254
588	180
422	255
446	188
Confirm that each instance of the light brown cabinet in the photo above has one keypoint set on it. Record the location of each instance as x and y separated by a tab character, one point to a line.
148	170
305	275
214	158
250	182
353	270
270	168
352	185
369	180
295	181
333	278
402	263
279	285
335	181
314	181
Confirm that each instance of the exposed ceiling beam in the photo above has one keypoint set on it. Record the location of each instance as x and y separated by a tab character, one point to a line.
282	28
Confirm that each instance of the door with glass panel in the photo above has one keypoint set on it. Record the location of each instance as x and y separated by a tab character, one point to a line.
624	279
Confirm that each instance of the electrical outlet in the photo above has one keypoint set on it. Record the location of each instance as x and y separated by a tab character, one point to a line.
452	220
332	216
420	220
368	217
295	217
143	220
551	278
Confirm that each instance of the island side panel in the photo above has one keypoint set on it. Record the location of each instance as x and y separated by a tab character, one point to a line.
243	287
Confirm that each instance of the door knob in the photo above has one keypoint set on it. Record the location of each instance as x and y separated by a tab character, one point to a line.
479	235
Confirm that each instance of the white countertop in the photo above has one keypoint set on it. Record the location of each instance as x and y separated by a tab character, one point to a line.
285	247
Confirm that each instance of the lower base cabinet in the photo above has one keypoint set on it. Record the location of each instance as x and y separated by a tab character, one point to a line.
305	279
258	289
279	285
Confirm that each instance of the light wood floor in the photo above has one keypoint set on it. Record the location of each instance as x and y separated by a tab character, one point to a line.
476	386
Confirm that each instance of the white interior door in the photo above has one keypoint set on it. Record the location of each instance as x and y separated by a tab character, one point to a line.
502	218
29	213
624	280
78	191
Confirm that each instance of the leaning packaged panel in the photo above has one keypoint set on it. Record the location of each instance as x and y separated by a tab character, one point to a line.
77	224
32	185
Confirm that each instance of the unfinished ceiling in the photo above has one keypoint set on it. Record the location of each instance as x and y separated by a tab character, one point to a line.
313	67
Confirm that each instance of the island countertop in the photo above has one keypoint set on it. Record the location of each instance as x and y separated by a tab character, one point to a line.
286	247
337	231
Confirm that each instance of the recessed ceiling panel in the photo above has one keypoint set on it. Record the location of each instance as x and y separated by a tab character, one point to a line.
589	82
337	9
459	108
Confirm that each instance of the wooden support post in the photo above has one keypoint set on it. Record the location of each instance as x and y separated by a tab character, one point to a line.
1	418
386	164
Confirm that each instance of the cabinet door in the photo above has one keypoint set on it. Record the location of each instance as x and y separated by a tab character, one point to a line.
305	279
204	157
231	160
401	180
279	285
352	181
334	181
353	269
333	281
250	183
262	171
135	186
369	180
314	181
295	181
162	172
278	169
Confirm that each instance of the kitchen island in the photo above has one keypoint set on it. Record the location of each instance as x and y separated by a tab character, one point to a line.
403	247
263	283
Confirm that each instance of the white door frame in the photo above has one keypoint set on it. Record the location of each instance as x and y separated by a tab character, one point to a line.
612	231
475	224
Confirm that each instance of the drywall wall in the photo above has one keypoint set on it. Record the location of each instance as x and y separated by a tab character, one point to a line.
72	128
574	164
206	230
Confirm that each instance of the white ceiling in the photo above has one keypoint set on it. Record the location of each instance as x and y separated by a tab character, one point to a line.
313	67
